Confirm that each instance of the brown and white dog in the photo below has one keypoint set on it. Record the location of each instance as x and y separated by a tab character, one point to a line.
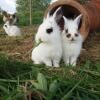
12	18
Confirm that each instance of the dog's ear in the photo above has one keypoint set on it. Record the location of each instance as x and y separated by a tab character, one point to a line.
13	19
5	13
6	16
17	19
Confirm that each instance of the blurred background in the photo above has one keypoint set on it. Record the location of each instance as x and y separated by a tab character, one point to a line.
30	11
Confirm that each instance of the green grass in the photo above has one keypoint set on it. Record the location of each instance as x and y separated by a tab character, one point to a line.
19	80
36	18
24	18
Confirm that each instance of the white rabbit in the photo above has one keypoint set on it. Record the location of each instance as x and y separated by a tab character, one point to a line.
72	40
49	52
52	1
12	30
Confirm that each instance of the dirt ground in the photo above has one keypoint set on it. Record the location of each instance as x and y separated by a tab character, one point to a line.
91	47
20	47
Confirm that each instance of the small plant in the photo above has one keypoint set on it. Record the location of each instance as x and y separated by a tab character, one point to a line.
41	83
40	41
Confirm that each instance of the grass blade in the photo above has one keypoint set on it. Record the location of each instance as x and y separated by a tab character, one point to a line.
65	97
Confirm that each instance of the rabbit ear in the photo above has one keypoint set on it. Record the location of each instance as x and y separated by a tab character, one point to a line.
65	19
48	15
44	19
78	19
58	15
57	12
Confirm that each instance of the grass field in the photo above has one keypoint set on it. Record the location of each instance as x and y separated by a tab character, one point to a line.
20	79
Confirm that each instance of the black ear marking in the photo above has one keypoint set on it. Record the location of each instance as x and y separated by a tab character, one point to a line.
49	30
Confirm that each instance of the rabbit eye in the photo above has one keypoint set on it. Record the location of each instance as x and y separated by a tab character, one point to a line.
68	35
76	35
66	30
5	25
49	30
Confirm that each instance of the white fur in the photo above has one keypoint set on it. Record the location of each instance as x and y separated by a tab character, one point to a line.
49	51
52	1
71	49
9	6
4	19
12	30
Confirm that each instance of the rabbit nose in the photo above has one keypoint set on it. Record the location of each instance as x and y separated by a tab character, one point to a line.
68	35
72	39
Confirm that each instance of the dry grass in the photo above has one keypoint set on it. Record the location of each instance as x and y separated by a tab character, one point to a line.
92	47
73	83
20	47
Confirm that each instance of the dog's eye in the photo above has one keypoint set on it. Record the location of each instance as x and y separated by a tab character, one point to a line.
66	30
76	34
49	30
